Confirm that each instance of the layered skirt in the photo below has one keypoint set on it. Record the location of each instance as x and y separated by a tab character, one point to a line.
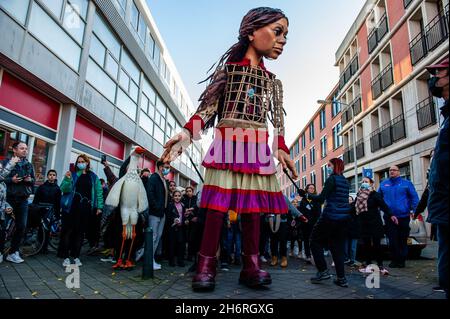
241	174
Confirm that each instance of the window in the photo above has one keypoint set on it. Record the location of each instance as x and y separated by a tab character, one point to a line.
150	46
109	40
324	175
303	141
337	138
129	65
55	6
312	175
291	153
323	119
146	123
303	162
134	16
100	80
323	146
18	9
125	104
312	156
297	148
297	166
311	131
54	37
304	182
336	106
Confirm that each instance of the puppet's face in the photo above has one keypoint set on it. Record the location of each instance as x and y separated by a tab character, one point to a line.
269	40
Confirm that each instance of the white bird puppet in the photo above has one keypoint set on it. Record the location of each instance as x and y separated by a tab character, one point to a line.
130	195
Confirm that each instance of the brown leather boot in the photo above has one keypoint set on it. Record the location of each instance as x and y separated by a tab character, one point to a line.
274	261
283	262
251	274
206	272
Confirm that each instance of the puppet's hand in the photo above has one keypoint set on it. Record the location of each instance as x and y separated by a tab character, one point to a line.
286	162
176	146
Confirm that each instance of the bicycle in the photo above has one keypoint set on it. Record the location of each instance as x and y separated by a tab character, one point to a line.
39	231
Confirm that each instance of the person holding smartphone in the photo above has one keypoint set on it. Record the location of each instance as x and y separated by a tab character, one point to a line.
19	186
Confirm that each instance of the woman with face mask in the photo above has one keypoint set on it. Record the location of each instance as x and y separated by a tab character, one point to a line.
82	199
333	223
367	206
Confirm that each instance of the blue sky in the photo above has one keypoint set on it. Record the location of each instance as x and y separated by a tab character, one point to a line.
198	32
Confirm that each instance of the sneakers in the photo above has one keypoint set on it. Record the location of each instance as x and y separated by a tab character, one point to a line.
77	262
66	262
139	253
108	259
15	258
341	282
1	258
321	275
263	260
224	267
332	264
156	266
438	289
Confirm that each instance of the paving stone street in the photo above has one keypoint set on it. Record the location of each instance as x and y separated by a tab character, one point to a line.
43	277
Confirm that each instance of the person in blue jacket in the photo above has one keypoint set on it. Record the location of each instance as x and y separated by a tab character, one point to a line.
401	197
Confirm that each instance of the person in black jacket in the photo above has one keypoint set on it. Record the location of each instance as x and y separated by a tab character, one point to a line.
175	221
332	226
48	193
311	209
190	203
158	199
367	206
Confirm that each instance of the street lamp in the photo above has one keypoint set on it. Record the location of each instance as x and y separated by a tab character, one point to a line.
354	134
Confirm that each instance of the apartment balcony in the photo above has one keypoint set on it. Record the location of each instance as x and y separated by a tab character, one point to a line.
351	70
349	156
388	134
347	115
436	32
382	81
378	33
426	113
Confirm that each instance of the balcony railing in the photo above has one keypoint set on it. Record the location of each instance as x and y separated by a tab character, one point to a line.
372	40
382	81
347	115
349	155
377	34
426	113
418	48
383	28
347	74
436	32
388	134
406	3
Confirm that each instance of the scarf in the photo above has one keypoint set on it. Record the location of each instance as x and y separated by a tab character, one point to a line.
361	201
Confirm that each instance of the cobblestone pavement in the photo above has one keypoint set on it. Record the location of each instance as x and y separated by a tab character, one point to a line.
43	277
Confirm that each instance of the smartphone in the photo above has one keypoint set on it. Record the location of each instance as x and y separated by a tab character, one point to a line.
103	159
72	167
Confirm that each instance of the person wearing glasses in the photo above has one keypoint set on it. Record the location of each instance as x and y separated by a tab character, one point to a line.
402	199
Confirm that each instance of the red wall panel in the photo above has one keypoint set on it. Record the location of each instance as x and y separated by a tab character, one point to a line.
363	46
23	99
112	146
87	132
401	55
395	9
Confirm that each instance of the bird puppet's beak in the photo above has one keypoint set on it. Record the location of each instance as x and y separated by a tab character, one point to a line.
139	150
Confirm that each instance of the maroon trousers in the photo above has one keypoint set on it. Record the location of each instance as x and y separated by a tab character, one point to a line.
213	228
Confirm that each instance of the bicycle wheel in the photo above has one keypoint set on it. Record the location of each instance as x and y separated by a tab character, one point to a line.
33	241
54	234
